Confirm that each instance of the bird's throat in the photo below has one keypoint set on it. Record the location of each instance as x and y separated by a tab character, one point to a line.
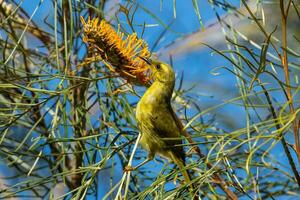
158	92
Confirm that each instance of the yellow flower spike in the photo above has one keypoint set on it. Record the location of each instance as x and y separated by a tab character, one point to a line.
123	55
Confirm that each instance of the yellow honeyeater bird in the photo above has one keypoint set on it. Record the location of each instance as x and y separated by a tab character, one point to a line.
156	120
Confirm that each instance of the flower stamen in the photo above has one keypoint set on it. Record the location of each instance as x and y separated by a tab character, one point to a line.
123	54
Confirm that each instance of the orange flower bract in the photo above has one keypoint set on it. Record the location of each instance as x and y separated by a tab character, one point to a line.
120	55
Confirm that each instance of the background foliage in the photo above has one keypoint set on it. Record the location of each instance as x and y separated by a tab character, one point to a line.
68	131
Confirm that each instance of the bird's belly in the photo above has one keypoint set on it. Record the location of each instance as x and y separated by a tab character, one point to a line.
150	140
154	144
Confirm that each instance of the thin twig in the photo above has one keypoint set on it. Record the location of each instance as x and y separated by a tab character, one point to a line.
284	60
127	174
221	183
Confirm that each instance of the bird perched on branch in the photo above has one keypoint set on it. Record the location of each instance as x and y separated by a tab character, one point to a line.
160	133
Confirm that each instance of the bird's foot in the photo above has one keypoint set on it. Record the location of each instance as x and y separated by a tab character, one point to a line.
128	168
191	151
175	179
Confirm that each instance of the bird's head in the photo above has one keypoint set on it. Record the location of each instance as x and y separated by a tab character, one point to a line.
161	71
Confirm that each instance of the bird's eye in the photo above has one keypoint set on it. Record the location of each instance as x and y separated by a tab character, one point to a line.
157	67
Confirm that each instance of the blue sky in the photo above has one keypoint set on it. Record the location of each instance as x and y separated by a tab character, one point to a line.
197	65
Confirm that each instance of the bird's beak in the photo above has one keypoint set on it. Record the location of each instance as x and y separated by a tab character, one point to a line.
150	63
147	60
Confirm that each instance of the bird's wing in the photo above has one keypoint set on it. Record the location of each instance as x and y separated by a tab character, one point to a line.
165	126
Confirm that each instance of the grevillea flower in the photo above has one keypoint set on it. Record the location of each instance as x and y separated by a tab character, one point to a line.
120	55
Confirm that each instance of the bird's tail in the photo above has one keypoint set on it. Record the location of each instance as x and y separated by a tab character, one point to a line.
187	177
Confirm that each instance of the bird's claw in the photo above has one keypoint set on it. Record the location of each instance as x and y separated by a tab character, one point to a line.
128	168
191	151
